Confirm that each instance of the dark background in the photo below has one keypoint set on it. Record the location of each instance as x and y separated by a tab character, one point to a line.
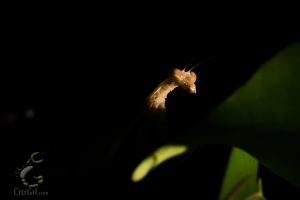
84	78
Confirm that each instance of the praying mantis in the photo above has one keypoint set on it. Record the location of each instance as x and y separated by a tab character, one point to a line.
155	103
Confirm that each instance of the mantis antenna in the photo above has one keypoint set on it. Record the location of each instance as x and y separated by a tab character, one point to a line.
192	60
205	60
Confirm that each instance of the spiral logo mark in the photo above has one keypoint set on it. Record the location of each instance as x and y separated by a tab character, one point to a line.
22	172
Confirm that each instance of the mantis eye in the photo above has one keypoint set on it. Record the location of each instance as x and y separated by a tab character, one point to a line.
193	75
176	73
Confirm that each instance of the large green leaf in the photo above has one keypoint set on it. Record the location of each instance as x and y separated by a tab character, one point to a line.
262	118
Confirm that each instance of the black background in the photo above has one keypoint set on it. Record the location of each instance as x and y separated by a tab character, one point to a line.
83	78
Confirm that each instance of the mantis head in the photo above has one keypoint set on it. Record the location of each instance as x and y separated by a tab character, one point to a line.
185	80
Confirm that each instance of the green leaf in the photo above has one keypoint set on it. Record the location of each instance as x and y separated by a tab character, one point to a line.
262	118
240	178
